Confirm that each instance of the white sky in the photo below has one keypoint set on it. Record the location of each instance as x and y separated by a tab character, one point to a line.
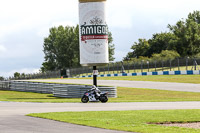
25	23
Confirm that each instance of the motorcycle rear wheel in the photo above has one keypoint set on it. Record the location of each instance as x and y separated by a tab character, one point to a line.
84	99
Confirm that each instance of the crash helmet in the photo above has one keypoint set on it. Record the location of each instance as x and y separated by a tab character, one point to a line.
94	86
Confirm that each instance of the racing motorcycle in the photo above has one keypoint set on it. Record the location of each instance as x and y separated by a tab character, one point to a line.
94	95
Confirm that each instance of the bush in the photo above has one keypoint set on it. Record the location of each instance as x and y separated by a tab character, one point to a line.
166	55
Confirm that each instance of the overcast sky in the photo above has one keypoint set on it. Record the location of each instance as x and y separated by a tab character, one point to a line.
25	23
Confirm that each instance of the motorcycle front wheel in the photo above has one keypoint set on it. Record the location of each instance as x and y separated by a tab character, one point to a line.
84	99
103	99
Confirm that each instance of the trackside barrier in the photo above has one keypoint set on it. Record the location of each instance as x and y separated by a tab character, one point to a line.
77	91
189	72
4	85
58	90
31	87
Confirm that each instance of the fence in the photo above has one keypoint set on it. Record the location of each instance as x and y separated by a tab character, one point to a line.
124	67
58	90
46	75
140	66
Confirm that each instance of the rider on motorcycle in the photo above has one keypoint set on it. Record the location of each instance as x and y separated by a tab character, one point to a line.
95	91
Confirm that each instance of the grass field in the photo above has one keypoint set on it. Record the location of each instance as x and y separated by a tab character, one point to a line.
32	97
124	95
157	78
133	121
152	95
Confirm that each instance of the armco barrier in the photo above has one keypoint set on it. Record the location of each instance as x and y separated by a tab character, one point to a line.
68	91
58	90
36	87
77	91
4	85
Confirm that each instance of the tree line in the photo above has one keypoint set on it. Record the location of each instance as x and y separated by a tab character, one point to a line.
182	40
61	48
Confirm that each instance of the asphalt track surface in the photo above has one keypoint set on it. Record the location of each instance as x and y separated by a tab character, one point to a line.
187	87
13	119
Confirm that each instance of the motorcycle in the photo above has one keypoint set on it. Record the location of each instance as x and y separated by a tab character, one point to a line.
92	97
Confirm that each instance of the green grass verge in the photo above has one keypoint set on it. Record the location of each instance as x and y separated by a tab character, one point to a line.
157	78
133	121
33	97
124	95
151	95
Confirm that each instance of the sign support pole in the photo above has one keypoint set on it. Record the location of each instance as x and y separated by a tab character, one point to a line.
94	76
93	35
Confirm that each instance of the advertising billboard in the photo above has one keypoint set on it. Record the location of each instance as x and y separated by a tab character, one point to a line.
93	33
